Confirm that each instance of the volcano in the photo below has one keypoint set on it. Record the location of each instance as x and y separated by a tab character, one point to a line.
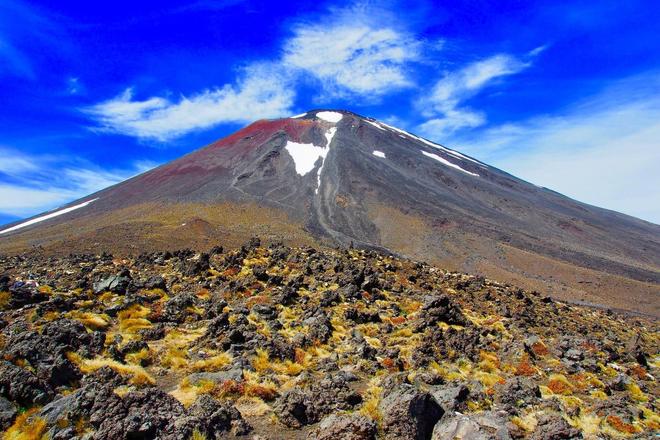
334	178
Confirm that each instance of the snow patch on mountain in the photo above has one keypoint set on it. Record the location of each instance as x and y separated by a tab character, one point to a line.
375	124
304	156
328	137
404	134
379	154
299	116
333	117
47	216
446	162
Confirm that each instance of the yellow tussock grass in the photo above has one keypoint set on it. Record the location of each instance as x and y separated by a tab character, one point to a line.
27	427
138	375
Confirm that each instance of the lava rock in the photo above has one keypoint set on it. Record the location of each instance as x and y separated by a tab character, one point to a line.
210	418
481	426
408	413
518	392
8	412
23	386
296	407
450	397
115	283
344	427
440	308
554	428
22	294
156	282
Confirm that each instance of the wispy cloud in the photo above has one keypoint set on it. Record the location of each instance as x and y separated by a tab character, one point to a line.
346	51
604	150
444	105
13	61
53	181
262	93
350	53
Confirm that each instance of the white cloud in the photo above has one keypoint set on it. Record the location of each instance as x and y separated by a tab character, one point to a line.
451	121
14	162
262	93
604	151
443	105
350	53
24	201
52	181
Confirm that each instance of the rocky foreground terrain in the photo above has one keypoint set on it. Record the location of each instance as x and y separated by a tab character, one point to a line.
290	343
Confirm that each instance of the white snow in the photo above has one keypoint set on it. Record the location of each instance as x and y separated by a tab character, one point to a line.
379	154
446	162
333	117
454	153
328	137
299	116
375	124
47	216
304	156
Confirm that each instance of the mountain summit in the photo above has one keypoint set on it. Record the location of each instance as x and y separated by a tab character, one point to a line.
332	177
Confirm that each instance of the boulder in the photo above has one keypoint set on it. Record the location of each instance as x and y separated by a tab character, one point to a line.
8	412
23	386
210	418
554	428
115	283
480	426
297	408
345	427
408	413
450	397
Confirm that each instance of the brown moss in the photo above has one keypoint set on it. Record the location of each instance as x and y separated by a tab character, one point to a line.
540	349
265	392
621	426
525	368
639	372
558	384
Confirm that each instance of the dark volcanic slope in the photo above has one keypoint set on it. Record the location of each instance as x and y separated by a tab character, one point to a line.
340	178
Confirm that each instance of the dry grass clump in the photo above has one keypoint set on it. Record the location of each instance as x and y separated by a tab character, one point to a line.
187	392
133	319
4	300
27	427
138	375
142	357
212	363
263	363
155	293
172	351
196	435
45	289
92	321
371	402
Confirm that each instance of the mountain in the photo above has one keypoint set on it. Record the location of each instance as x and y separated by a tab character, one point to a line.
334	178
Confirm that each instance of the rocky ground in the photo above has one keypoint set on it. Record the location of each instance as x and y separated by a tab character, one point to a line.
290	343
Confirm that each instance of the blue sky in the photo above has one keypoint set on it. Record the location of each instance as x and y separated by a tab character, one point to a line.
563	94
